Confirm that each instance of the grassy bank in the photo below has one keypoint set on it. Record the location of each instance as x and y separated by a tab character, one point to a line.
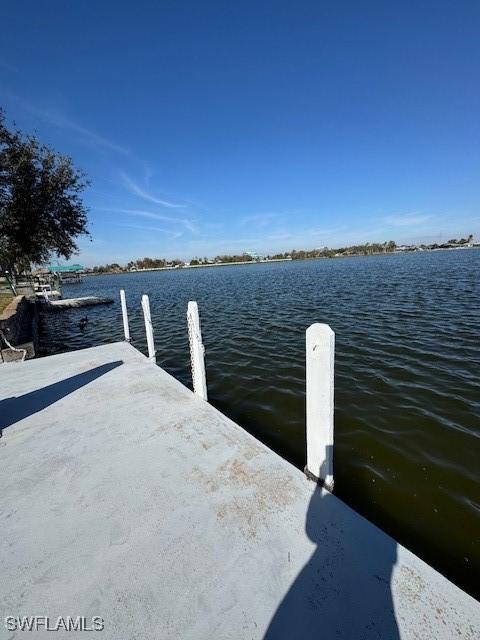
5	300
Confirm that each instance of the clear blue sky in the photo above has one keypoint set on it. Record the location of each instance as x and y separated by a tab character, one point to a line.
211	127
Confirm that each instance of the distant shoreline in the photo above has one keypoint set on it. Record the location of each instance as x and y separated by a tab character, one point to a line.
228	264
188	266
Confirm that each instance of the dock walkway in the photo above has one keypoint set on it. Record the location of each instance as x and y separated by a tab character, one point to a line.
125	496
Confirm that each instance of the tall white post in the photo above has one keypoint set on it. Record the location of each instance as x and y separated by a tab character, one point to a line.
320	343
126	328
197	351
148	327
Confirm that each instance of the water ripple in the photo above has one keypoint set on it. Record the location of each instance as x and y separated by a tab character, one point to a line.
407	389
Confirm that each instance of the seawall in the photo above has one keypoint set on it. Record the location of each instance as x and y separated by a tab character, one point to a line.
19	325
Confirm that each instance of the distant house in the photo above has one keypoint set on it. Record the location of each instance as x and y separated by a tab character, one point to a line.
253	255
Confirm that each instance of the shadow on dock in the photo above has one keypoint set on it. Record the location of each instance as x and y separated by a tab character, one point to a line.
14	409
343	591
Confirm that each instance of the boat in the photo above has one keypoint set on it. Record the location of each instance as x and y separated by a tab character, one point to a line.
44	291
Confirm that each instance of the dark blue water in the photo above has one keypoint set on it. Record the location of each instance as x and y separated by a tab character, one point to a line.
407	386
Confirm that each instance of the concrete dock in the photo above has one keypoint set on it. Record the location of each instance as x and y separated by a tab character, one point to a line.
126	496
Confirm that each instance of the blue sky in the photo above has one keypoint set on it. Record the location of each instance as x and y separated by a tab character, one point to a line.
211	127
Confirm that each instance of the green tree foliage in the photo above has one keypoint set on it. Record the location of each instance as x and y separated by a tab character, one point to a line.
367	249
41	211
150	263
108	268
241	258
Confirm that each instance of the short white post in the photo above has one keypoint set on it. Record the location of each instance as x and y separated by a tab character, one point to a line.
320	343
148	327
126	328
197	351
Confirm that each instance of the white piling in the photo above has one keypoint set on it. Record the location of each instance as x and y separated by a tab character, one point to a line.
126	328
197	351
320	346
148	327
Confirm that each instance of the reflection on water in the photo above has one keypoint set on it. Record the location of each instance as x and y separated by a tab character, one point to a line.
407	390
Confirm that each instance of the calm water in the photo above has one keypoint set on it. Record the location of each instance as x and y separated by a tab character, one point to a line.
407	386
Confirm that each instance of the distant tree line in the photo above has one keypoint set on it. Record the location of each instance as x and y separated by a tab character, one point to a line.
325	252
453	243
109	268
367	249
163	263
244	257
152	263
461	241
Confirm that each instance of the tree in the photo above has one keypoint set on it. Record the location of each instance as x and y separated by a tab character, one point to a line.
41	211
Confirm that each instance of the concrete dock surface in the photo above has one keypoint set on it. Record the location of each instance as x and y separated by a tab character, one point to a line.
125	496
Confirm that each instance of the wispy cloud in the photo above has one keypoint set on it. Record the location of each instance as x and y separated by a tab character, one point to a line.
281	236
258	220
143	214
61	121
308	235
153	215
191	226
141	193
172	234
406	219
88	135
